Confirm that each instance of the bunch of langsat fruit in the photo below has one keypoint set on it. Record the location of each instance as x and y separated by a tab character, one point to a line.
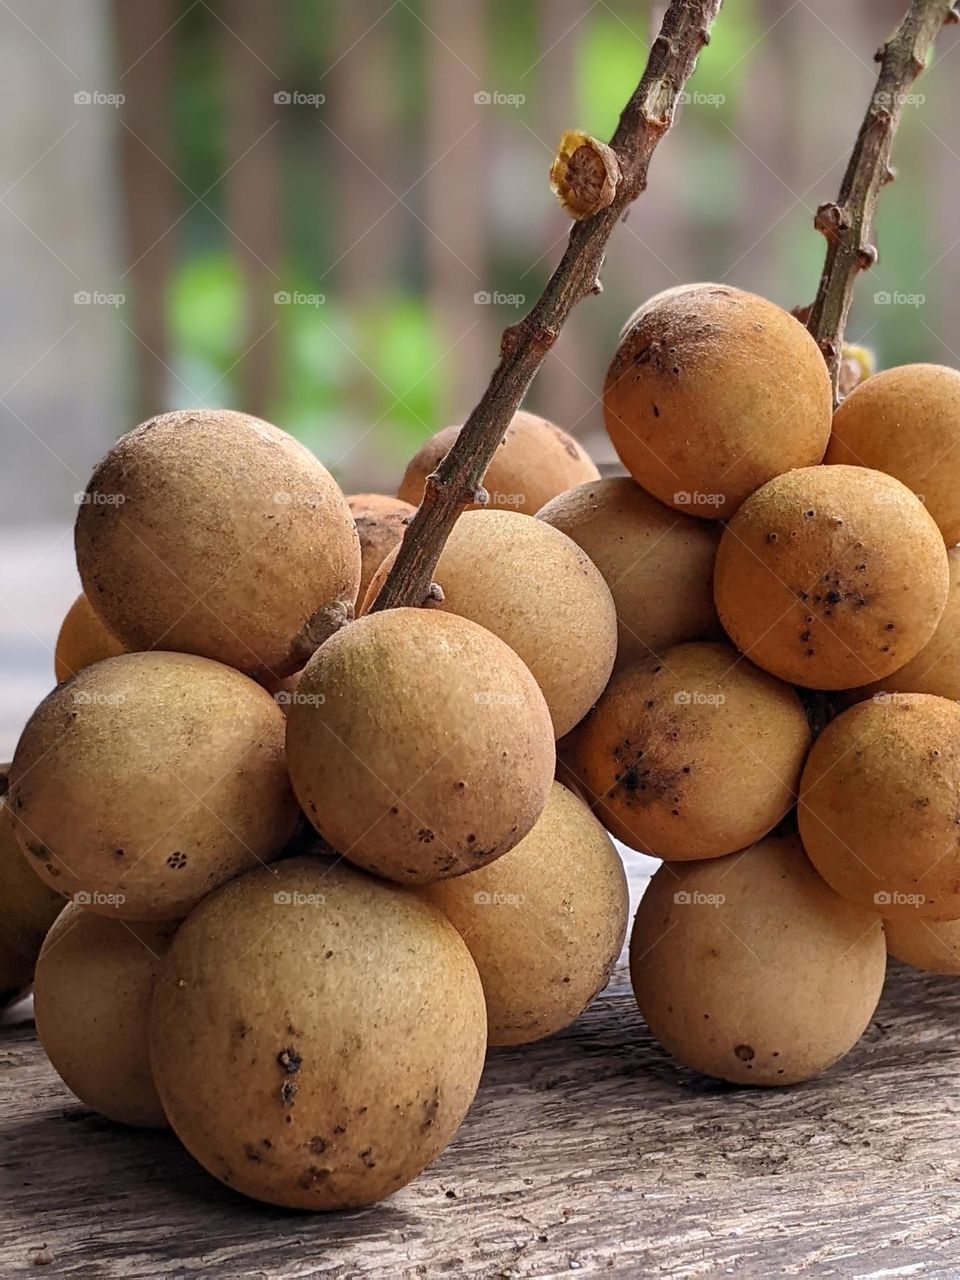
316	864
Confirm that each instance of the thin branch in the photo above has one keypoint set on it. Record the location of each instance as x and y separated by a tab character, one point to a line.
645	119
847	224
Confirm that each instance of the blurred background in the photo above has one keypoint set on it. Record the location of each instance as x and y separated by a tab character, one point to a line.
325	211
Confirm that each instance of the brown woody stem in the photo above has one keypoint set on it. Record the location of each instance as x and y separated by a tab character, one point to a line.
847	224
644	120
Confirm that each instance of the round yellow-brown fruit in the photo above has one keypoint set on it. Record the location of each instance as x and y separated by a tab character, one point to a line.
149	779
693	754
82	641
749	968
92	1001
317	1035
711	393
28	907
215	533
419	745
878	805
831	577
655	299
657	563
936	668
534	462
381	523
545	923
930	945
906	422
540	593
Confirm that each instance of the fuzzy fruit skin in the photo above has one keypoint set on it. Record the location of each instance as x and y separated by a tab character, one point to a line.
693	754
419	745
381	523
638	545
551	606
906	422
82	641
232	541
545	923
930	945
536	460
749	968
151	776
91	998
831	577
28	907
711	393
317	1035
878	805
936	668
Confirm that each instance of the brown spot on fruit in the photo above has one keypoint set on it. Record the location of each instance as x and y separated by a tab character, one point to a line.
290	1060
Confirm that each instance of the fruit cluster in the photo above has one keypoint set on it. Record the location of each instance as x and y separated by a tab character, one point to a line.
317	863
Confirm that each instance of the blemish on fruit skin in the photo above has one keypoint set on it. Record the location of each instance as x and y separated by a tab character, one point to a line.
745	1052
290	1060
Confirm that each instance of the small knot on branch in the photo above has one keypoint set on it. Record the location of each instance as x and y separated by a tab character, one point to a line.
584	175
866	256
829	349
526	333
831	221
889	175
953	15
434	594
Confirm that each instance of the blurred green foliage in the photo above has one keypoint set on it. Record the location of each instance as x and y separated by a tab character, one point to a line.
393	344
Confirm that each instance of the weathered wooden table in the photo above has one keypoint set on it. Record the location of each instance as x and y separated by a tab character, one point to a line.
588	1153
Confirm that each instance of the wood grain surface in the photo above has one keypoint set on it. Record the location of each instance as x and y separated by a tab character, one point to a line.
590	1153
